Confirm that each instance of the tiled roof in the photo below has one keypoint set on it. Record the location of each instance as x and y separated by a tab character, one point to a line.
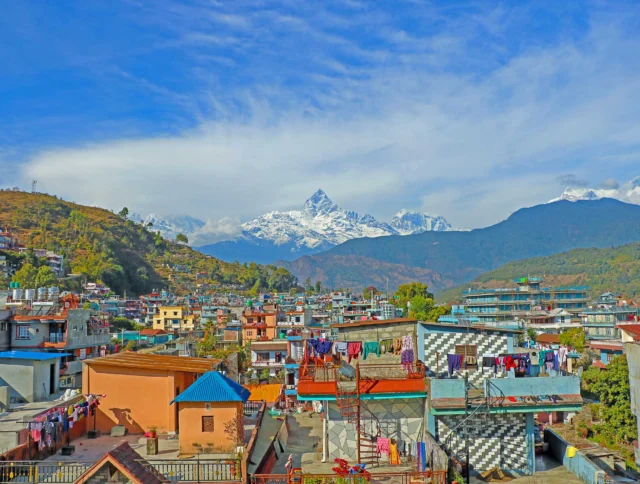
214	387
599	364
152	332
155	362
632	328
548	338
127	461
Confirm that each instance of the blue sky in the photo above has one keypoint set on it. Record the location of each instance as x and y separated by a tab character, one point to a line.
226	109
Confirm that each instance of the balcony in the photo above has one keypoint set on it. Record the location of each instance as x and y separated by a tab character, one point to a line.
291	390
267	363
57	338
72	368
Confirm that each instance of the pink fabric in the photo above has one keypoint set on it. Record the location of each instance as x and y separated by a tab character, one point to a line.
382	445
354	349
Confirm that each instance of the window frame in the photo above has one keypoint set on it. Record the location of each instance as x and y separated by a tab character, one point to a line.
207	418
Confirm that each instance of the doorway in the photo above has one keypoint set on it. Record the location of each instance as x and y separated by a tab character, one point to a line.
52	378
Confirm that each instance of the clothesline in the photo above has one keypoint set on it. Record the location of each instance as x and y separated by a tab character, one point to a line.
402	347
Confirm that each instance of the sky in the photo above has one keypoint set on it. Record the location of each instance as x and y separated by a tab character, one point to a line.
224	110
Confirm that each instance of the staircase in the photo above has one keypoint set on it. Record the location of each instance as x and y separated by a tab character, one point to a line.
356	412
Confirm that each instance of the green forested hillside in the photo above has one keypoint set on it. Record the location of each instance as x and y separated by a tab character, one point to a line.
126	256
614	269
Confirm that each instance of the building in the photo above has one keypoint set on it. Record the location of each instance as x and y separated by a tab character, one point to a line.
210	413
268	355
155	336
632	351
602	322
173	318
7	241
496	409
506	304
63	328
31	376
260	325
140	388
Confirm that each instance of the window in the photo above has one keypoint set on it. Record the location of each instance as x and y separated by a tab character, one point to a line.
3	326
207	424
470	353
75	328
175	313
165	313
23	332
249	333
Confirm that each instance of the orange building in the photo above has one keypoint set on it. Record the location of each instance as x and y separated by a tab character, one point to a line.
260	325
139	389
211	414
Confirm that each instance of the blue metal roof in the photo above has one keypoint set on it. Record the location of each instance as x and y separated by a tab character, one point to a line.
30	355
214	387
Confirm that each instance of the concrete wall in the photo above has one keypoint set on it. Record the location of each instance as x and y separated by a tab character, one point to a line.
18	375
5	334
38	334
376	332
41	378
632	351
400	418
135	398
225	415
579	464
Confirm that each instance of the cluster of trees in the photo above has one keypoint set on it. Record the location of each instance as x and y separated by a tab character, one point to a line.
417	302
617	425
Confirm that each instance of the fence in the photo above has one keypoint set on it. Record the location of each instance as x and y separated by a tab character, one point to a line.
428	477
31	471
209	470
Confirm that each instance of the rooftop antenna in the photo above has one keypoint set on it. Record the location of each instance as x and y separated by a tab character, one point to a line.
34	183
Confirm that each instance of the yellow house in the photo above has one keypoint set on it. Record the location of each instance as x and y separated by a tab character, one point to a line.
170	318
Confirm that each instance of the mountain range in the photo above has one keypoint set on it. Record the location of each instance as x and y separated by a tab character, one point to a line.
628	192
319	225
445	259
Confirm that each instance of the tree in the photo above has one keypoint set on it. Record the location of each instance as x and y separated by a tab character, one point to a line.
531	334
45	277
406	292
131	346
124	213
264	374
307	283
182	239
318	287
575	338
86	305
121	323
424	309
612	386
26	276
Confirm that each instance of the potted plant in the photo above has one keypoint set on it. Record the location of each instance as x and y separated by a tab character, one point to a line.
153	432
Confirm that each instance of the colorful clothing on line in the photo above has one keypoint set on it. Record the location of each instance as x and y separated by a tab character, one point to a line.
340	347
407	360
453	362
370	347
354	349
382	445
394	455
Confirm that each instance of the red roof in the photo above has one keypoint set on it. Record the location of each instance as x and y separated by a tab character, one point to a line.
599	364
633	328
127	461
152	332
606	346
548	338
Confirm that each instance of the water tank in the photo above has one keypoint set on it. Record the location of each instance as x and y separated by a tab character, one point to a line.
30	294
17	294
42	293
54	293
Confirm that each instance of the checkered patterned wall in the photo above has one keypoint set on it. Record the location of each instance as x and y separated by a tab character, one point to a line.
499	441
444	343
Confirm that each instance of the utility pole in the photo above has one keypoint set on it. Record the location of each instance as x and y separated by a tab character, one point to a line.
33	186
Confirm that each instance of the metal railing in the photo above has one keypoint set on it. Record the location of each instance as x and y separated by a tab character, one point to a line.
198	470
57	338
38	471
427	477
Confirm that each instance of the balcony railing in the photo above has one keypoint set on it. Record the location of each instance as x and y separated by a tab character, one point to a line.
57	337
205	470
267	363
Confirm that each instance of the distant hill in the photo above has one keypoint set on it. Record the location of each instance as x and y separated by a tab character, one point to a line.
456	257
121	253
612	269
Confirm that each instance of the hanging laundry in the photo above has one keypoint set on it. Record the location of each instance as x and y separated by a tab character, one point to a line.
382	445
394	455
340	347
406	359
407	342
370	347
354	349
453	362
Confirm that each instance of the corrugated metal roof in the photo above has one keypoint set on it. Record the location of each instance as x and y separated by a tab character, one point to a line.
30	355
214	387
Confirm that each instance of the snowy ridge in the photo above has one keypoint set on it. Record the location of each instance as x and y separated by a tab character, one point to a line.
629	193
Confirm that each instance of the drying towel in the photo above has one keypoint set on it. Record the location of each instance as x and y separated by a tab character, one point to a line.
382	445
453	362
340	347
370	347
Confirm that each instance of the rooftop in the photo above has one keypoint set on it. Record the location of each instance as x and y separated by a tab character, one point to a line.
213	387
548	338
269	392
155	362
373	322
127	461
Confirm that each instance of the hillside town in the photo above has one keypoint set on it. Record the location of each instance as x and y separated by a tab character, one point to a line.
224	386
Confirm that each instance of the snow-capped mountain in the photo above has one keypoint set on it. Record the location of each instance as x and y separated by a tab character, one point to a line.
169	227
320	225
628	192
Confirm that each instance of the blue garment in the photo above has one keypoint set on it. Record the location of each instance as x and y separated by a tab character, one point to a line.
556	363
453	362
320	347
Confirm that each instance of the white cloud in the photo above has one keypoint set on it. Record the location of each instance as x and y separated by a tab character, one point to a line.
474	145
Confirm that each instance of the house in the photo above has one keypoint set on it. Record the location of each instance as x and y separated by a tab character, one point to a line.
140	387
602	322
31	376
173	318
502	407
268	355
260	325
155	336
210	414
123	465
608	350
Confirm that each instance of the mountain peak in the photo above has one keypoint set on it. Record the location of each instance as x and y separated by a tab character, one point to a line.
319	204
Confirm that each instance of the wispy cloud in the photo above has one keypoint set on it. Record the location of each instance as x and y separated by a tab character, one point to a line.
463	110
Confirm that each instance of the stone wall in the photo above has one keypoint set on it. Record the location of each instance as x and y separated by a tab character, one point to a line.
400	418
376	332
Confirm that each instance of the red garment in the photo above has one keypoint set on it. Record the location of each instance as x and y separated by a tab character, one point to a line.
509	363
354	349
